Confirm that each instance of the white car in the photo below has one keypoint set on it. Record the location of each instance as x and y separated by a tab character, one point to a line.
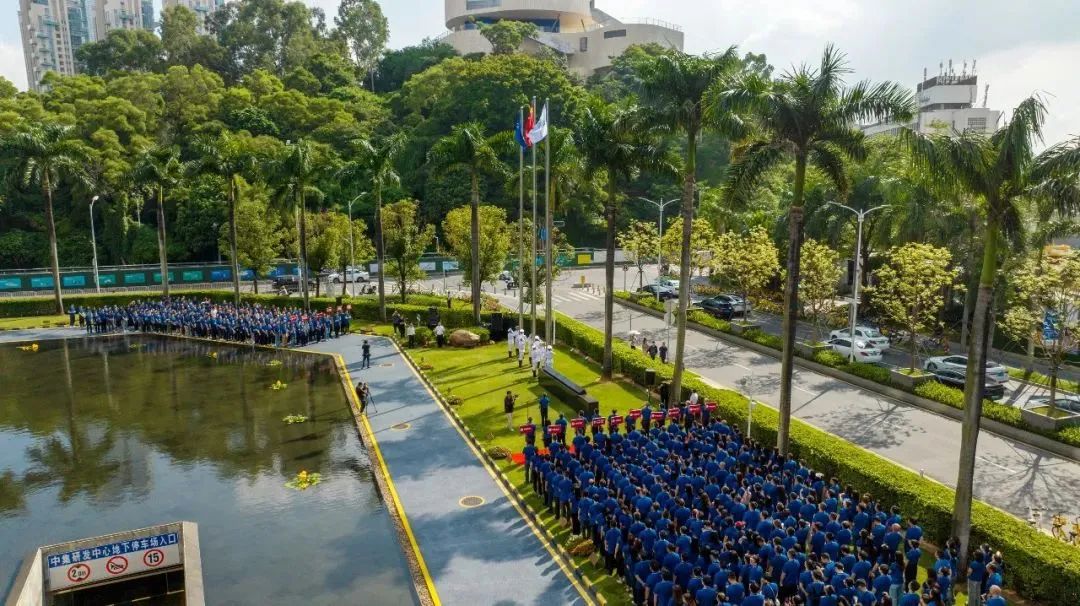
352	274
740	306
994	372
670	283
864	350
865	333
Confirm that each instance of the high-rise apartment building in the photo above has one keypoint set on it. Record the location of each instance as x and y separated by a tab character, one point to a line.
201	8
588	37
118	14
46	38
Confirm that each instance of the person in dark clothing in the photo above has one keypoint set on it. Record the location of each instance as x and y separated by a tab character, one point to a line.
365	362
663	353
363	394
665	389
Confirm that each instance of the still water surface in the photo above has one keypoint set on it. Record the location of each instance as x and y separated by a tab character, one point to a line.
102	435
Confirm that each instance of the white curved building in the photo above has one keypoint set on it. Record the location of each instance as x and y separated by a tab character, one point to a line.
588	37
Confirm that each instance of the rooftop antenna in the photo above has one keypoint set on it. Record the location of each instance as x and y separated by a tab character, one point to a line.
940	69
950	72
986	94
963	74
973	62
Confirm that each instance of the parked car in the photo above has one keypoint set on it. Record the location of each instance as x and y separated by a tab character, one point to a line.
1068	402
717	307
992	390
738	305
352	274
664	292
865	333
291	284
994	371
864	350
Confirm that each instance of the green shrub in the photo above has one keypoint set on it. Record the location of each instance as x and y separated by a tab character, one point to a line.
424	336
830	358
701	317
877	374
763	338
1041	379
483	333
1041	568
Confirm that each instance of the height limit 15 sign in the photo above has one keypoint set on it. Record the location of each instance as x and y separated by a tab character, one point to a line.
103	562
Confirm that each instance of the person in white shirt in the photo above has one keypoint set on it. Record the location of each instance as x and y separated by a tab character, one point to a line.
511	338
440	334
536	355
549	357
519	342
694	397
410	331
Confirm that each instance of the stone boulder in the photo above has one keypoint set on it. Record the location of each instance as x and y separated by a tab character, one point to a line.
464	338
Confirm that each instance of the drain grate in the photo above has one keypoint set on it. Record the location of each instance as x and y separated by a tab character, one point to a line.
401	426
470	502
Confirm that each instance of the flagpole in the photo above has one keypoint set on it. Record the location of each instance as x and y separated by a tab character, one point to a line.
521	224
532	259
549	312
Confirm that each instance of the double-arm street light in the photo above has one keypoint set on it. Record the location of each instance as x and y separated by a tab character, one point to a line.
860	215
352	249
661	205
93	244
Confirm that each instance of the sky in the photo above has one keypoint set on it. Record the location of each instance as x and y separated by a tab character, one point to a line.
1022	48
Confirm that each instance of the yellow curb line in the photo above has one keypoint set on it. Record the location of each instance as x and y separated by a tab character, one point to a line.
492	472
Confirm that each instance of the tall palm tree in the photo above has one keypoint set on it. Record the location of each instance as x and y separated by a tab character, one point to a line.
466	146
226	157
674	89
42	155
616	142
808	115
378	164
566	169
157	169
293	176
1000	169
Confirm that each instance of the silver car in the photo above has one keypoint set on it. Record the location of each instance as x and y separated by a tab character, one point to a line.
994	371
865	333
1061	401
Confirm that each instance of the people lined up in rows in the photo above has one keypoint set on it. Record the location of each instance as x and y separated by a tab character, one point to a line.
687	511
246	323
541	355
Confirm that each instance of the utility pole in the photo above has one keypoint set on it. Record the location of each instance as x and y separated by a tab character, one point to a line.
93	243
860	216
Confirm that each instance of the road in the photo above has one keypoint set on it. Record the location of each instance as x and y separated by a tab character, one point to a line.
1012	476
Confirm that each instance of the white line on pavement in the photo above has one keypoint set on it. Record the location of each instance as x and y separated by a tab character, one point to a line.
999	466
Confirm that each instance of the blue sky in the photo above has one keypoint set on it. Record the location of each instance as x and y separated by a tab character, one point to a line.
1021	47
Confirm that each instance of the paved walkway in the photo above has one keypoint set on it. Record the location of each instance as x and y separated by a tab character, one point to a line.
484	555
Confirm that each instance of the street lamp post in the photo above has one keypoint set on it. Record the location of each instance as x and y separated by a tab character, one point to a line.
352	251
93	244
860	215
661	205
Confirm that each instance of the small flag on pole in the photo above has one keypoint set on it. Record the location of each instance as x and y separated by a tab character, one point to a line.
520	134
530	121
539	132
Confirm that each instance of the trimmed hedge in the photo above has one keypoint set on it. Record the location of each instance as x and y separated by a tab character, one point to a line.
1040	567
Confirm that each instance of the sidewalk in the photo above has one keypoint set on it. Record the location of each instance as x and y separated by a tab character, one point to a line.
480	555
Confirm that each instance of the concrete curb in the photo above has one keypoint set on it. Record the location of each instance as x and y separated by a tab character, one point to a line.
1006	431
490	463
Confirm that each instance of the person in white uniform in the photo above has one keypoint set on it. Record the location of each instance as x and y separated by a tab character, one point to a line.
519	342
549	357
511	339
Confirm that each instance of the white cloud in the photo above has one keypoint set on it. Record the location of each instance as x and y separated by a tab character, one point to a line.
12	66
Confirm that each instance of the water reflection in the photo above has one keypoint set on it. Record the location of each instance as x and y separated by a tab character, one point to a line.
98	435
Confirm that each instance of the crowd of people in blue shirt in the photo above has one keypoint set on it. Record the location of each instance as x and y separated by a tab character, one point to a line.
245	323
689	512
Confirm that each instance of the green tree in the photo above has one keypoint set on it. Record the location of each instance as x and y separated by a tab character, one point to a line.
494	240
364	27
910	288
674	88
43	155
1044	307
397	66
467	147
615	143
377	164
748	261
328	235
1000	169
258	231
808	115
406	242
641	244
294	176
122	49
157	170
817	289
506	36
228	157
702	241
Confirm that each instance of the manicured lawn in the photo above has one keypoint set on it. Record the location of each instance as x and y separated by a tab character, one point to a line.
33	322
481	377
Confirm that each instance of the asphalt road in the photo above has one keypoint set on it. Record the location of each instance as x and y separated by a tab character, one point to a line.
1012	476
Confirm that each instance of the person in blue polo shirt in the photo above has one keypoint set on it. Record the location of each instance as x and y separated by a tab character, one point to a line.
545	402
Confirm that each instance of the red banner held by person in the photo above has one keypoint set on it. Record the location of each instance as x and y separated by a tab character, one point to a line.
555	429
577	423
674	413
658	415
634	413
527	429
598	421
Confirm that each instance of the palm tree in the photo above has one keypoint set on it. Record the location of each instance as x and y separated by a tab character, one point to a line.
566	169
157	169
228	158
377	162
42	155
1000	169
294	175
467	147
616	142
674	87
810	116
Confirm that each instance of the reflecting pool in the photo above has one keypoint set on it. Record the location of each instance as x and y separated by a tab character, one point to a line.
101	435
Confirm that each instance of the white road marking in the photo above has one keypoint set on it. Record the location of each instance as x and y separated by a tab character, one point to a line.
986	460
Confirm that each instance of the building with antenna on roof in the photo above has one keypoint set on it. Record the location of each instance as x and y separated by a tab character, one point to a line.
948	103
588	37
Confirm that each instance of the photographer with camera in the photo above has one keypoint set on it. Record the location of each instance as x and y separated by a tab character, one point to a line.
508	408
